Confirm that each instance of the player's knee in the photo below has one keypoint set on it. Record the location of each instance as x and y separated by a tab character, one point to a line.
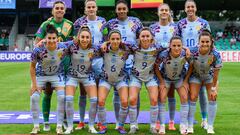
101	102
193	98
154	102
133	101
163	99
212	99
124	103
184	98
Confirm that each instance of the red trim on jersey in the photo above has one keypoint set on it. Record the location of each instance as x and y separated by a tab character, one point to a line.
146	5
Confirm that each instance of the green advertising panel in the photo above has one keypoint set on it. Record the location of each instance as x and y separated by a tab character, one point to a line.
106	2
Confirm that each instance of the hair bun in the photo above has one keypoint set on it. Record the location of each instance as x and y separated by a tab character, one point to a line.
84	27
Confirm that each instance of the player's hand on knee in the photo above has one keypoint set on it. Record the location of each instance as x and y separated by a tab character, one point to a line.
34	89
185	85
162	87
213	95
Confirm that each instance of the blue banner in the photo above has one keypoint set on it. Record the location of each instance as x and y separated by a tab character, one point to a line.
7	4
49	3
15	56
26	117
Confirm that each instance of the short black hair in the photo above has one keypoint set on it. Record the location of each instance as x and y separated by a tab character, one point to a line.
51	29
122	1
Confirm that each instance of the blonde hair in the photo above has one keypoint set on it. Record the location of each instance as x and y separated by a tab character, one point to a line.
165	4
85	3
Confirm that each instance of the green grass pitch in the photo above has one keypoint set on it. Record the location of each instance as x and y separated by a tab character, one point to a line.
15	85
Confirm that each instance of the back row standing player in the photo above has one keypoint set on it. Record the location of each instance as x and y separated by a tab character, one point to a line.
163	31
129	28
189	29
94	23
65	32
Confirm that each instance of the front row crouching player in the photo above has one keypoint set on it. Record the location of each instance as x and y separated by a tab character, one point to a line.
143	72
46	66
207	63
172	72
80	71
113	75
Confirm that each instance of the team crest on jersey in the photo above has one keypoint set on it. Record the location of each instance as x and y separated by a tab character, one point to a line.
171	30
121	53
153	52
60	39
90	55
64	29
130	24
99	25
59	55
198	28
210	60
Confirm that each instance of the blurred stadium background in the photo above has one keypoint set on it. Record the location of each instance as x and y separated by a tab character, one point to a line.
20	19
19	24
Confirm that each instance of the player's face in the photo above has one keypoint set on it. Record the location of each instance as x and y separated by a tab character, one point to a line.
205	44
85	39
190	9
115	40
176	47
164	12
91	8
145	39
122	11
51	39
58	10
